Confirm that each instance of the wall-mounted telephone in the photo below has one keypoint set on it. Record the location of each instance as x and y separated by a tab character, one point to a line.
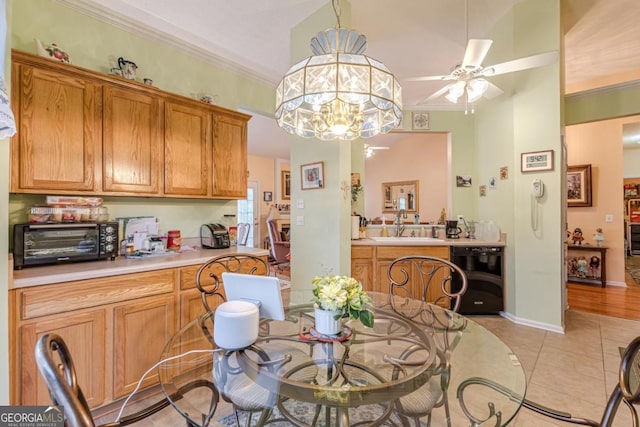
537	188
537	191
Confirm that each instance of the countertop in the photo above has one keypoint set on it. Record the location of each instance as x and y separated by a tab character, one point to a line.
421	241
44	275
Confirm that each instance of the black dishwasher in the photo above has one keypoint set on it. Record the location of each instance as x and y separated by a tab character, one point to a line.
485	278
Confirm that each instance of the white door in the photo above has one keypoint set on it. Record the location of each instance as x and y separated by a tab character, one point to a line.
249	212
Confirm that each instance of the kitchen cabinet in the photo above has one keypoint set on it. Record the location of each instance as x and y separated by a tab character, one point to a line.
230	171
131	142
57	144
115	328
84	333
142	328
83	132
378	263
187	150
362	265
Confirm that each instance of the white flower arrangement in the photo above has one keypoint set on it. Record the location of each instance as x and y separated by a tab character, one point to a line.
344	294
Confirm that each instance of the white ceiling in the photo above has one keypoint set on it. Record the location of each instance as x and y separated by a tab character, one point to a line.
412	37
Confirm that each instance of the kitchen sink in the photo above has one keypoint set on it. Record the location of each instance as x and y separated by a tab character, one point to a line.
406	239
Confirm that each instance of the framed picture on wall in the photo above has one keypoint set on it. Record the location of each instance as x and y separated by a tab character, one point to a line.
285	180
267	196
579	186
312	176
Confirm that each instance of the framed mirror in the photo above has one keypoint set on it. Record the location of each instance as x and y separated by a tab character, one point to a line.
400	195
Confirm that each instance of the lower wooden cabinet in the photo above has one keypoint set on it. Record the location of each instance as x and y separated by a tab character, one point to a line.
115	327
369	265
85	336
141	330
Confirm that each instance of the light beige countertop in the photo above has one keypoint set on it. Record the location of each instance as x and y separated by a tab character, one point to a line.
424	241
44	275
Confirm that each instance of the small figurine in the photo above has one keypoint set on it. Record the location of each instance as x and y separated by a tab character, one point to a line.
443	216
598	237
577	236
582	267
594	267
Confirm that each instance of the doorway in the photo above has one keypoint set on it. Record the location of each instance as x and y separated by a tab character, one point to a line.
249	212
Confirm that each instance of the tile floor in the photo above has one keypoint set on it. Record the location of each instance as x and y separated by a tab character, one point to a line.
573	372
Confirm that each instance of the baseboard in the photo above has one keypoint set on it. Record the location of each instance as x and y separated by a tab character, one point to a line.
618	284
532	323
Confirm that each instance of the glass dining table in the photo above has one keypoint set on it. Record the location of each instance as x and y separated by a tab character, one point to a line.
418	361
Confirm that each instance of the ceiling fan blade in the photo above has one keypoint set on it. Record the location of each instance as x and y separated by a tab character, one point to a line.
493	91
379	148
476	51
435	95
520	64
426	78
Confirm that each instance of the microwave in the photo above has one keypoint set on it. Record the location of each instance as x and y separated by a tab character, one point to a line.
44	244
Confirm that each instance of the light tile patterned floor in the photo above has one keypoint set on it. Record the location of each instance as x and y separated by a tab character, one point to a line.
573	372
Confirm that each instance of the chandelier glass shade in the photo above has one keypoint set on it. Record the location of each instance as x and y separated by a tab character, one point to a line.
338	92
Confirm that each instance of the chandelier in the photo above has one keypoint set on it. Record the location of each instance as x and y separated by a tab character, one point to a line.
338	92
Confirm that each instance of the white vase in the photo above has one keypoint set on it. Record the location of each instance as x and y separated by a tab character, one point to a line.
326	322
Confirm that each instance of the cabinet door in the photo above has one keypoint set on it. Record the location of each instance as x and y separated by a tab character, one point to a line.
230	157
187	142
142	328
84	334
132	142
58	138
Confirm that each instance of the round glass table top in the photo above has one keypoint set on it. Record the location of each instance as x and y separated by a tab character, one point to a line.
417	359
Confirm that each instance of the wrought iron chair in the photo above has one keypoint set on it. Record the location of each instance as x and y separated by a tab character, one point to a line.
237	389
58	371
437	281
209	275
626	391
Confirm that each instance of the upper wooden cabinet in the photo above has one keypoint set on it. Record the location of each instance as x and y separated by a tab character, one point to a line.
58	121
131	142
229	150
187	150
83	132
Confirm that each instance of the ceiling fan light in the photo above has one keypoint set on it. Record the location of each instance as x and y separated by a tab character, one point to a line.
476	88
456	90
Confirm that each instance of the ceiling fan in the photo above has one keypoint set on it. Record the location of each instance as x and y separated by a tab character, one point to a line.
369	150
468	78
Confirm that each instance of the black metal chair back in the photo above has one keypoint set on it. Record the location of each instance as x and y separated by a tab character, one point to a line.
209	275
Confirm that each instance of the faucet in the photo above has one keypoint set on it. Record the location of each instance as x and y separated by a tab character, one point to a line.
399	227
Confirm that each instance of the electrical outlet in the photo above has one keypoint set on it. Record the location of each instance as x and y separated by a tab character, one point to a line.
460	218
300	203
608	218
300	220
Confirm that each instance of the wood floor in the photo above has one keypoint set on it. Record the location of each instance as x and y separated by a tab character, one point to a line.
611	301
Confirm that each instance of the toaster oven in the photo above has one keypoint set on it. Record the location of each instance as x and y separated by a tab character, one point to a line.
41	244
214	236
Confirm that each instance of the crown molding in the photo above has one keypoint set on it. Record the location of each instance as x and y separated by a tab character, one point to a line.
604	90
118	20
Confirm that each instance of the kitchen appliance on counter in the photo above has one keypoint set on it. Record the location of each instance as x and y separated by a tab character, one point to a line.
214	236
42	244
485	278
452	229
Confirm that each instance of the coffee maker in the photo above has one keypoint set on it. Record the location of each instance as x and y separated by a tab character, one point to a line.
452	230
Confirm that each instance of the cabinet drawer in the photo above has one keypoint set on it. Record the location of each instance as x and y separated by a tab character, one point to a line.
393	252
361	252
188	276
43	301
